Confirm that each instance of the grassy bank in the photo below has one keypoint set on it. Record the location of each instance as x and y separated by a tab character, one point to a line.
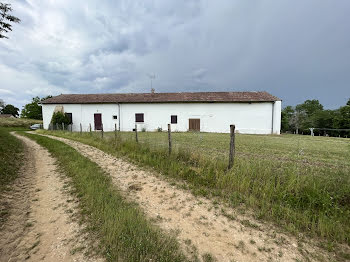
11	158
288	180
18	122
123	230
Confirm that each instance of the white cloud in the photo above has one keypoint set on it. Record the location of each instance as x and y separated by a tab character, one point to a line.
5	91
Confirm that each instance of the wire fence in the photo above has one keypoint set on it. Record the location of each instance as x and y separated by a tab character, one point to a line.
173	142
217	147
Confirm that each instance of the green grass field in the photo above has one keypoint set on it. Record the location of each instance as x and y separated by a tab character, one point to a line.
303	150
301	183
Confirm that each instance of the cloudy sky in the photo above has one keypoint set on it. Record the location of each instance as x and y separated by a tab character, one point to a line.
294	49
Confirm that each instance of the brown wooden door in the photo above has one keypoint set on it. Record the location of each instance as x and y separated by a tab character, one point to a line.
98	121
194	124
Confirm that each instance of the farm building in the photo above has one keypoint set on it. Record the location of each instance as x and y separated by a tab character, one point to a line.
6	116
251	112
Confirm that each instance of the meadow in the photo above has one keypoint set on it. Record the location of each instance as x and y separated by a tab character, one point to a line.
301	183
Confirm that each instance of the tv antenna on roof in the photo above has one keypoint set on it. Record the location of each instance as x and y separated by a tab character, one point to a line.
152	76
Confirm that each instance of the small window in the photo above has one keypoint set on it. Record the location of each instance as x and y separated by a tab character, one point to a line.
174	119
115	117
70	117
139	118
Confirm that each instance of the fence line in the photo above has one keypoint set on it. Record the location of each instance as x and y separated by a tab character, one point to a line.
162	141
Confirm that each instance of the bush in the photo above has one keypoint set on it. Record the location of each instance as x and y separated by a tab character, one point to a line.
159	129
59	118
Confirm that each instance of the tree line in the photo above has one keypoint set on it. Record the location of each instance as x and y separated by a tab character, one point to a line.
32	110
311	114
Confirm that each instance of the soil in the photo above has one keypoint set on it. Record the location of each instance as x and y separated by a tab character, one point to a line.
205	228
42	224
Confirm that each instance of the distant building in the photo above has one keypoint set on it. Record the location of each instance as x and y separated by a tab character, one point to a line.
6	116
251	112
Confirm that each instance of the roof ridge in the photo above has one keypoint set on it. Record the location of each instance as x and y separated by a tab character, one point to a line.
228	96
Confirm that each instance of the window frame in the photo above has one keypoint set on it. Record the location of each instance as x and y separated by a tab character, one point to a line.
137	115
70	118
173	117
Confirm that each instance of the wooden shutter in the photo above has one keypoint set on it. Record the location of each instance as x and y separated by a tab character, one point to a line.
139	118
174	119
70	117
194	124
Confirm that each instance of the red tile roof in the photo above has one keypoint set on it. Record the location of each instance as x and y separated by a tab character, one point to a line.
162	98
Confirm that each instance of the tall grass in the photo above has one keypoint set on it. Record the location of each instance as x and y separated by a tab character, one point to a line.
124	232
302	198
10	157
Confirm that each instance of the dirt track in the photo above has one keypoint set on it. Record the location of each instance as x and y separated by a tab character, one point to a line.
40	226
202	227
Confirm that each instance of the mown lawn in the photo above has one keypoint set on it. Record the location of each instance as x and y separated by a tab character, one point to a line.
301	183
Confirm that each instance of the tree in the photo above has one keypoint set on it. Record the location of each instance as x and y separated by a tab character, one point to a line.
59	118
2	104
286	116
344	121
6	19
306	113
33	110
309	107
348	103
10	109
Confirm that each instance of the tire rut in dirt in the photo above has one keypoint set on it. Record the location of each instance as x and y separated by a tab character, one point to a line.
41	224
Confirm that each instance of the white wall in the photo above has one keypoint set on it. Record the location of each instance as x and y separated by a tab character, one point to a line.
84	114
277	117
249	118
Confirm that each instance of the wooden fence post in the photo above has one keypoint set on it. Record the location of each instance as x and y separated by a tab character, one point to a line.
115	132
169	137
56	126
90	127
232	146
137	139
81	129
62	126
102	131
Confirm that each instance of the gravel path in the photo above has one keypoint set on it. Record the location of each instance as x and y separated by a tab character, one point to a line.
204	228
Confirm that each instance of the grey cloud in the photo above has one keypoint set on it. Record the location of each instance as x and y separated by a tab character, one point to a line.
296	50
